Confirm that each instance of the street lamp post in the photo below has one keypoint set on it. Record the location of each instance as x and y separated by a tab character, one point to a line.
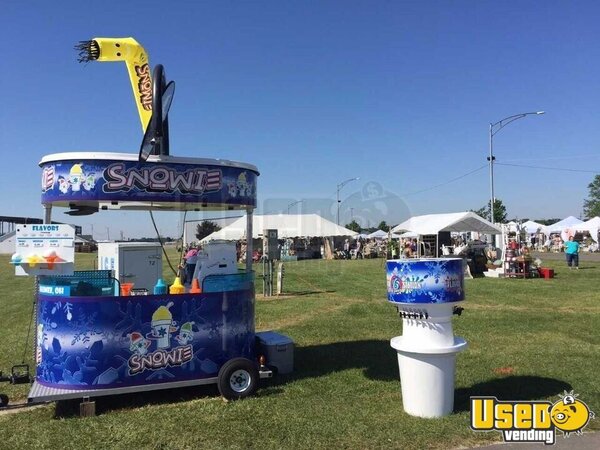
339	188
494	128
293	204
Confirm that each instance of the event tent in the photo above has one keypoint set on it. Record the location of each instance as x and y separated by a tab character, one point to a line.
457	222
379	234
405	235
287	226
566	223
532	227
592	226
593	223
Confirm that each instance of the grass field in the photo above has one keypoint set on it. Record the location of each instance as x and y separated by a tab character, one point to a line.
528	339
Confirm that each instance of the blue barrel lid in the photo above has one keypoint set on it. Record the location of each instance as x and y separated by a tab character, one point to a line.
425	280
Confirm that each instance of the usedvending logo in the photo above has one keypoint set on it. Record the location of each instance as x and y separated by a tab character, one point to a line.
530	421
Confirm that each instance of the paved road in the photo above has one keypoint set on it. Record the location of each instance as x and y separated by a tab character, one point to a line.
589	441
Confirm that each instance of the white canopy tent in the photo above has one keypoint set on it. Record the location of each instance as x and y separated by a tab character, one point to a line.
379	234
433	224
592	226
566	223
287	226
406	234
594	222
532	227
457	222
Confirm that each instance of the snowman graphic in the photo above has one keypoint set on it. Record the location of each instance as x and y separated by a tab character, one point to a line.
138	344
186	333
63	185
90	181
76	177
242	185
232	188
162	326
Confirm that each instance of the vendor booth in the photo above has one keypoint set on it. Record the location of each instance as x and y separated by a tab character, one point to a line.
435	229
94	339
121	329
566	223
301	236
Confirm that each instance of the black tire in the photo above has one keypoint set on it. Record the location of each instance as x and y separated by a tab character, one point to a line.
238	378
3	400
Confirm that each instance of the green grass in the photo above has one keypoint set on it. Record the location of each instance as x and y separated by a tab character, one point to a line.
528	339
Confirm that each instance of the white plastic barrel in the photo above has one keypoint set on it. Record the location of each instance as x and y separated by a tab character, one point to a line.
425	292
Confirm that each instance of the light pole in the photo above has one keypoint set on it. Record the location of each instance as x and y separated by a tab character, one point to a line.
339	188
293	204
494	128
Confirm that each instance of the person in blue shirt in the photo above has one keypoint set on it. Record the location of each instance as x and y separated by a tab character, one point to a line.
572	252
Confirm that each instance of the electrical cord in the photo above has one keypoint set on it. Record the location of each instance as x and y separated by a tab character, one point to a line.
162	245
547	168
448	182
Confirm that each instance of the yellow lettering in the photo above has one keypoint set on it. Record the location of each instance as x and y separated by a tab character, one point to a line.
541	416
482	413
523	416
504	416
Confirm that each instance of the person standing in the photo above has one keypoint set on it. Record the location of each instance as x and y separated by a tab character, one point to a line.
572	252
191	258
346	249
359	254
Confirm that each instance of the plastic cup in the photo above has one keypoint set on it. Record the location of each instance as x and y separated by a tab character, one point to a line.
126	289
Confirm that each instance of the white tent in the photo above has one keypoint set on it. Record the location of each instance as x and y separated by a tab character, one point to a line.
568	222
361	236
406	234
512	226
532	227
287	226
593	223
592	226
379	234
459	222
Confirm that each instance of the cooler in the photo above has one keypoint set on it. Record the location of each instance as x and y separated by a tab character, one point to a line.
546	272
278	350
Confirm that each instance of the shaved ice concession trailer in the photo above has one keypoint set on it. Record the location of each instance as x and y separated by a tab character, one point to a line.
94	338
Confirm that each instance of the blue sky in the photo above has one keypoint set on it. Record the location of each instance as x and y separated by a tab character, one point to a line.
399	93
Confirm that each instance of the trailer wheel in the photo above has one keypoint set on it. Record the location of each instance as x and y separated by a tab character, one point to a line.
3	400
238	378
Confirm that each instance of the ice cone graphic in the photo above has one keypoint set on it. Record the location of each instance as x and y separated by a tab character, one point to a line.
162	326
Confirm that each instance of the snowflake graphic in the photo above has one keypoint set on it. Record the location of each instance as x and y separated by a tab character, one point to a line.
402	268
66	307
438	296
84	329
436	270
